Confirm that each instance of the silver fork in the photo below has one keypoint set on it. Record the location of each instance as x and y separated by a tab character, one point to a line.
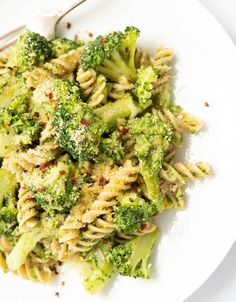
41	23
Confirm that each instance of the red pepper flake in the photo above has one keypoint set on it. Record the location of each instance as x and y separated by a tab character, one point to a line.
43	167
41	189
62	172
68	25
55	163
50	95
123	131
90	34
143	226
103	41
36	114
57	294
62	283
83	121
101	181
206	104
44	124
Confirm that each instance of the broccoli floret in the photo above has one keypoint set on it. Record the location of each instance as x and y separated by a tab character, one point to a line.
30	50
152	138
55	189
51	92
112	55
17	126
144	85
112	147
60	46
131	258
123	108
8	210
96	269
12	85
132	212
78	129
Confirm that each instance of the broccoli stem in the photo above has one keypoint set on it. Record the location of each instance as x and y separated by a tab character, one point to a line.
23	247
143	251
123	108
116	67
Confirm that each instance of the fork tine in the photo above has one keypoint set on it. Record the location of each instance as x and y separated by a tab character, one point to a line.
12	32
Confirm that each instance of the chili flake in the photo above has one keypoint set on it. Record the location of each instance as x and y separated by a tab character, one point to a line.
206	104
101	181
50	95
83	121
68	25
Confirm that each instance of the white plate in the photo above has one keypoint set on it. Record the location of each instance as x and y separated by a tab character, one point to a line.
193	241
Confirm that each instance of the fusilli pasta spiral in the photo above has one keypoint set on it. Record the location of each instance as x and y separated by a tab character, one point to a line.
141	58
27	213
116	90
87	80
119	182
162	62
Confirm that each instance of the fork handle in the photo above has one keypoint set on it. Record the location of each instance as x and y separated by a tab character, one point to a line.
67	8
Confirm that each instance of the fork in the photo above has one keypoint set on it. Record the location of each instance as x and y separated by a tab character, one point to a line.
42	23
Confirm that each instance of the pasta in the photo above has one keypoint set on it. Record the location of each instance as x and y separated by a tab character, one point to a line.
88	143
27	213
162	62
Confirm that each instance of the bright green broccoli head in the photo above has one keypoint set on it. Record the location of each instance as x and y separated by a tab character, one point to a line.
132	212
30	50
131	258
152	138
96	269
79	130
17	127
8	211
53	185
60	46
112	147
144	85
12	85
51	93
112	55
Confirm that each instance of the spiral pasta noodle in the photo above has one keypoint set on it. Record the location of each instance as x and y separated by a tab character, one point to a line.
118	89
119	182
27	214
36	76
181	122
162	62
66	63
181	172
99	92
87	80
141	58
94	232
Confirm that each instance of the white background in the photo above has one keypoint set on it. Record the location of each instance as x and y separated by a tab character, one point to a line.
221	286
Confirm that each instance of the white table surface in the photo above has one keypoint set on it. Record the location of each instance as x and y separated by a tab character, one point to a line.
221	286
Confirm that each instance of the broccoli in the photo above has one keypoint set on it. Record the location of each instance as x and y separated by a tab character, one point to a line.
78	129
112	55
54	185
144	85
60	46
17	126
152	138
96	269
24	246
132	212
123	108
8	211
131	258
12	85
51	92
30	50
112	147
